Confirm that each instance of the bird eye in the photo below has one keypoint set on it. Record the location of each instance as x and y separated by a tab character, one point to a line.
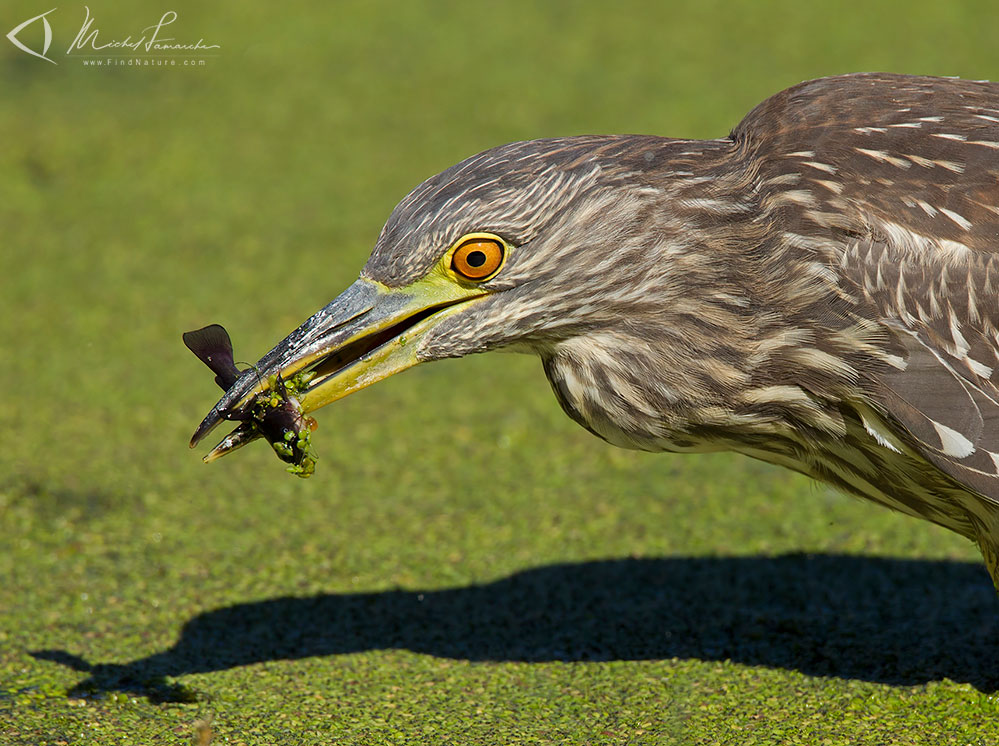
478	258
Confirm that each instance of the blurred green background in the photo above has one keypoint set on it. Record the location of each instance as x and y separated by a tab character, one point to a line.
467	565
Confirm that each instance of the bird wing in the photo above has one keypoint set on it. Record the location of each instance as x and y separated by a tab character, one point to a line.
944	389
911	157
904	170
956	419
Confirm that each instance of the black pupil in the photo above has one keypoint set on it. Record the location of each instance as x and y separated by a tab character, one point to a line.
475	258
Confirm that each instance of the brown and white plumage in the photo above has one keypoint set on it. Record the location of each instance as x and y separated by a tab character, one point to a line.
818	290
902	173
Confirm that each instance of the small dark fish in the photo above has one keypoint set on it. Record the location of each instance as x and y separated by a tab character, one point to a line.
275	414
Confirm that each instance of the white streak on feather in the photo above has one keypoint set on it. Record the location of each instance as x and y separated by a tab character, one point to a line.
821	360
980	369
717	206
954	444
788	178
960	343
954	249
793	196
920	161
895	361
821	166
778	394
957	168
832	186
883	157
959	219
880	437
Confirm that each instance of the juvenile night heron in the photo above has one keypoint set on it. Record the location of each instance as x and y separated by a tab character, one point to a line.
819	290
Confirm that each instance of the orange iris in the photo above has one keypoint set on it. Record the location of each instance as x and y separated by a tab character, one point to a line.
478	258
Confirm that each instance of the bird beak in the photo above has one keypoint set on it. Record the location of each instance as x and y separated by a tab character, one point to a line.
368	333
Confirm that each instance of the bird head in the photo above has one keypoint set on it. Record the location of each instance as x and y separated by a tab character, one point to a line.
523	245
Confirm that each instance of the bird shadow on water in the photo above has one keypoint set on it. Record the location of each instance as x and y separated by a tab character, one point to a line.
892	621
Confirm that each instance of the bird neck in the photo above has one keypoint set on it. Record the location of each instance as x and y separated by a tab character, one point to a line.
717	324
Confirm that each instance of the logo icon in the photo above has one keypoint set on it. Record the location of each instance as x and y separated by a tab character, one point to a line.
48	37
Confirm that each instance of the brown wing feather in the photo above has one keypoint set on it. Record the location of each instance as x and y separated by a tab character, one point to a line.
874	149
946	395
907	168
